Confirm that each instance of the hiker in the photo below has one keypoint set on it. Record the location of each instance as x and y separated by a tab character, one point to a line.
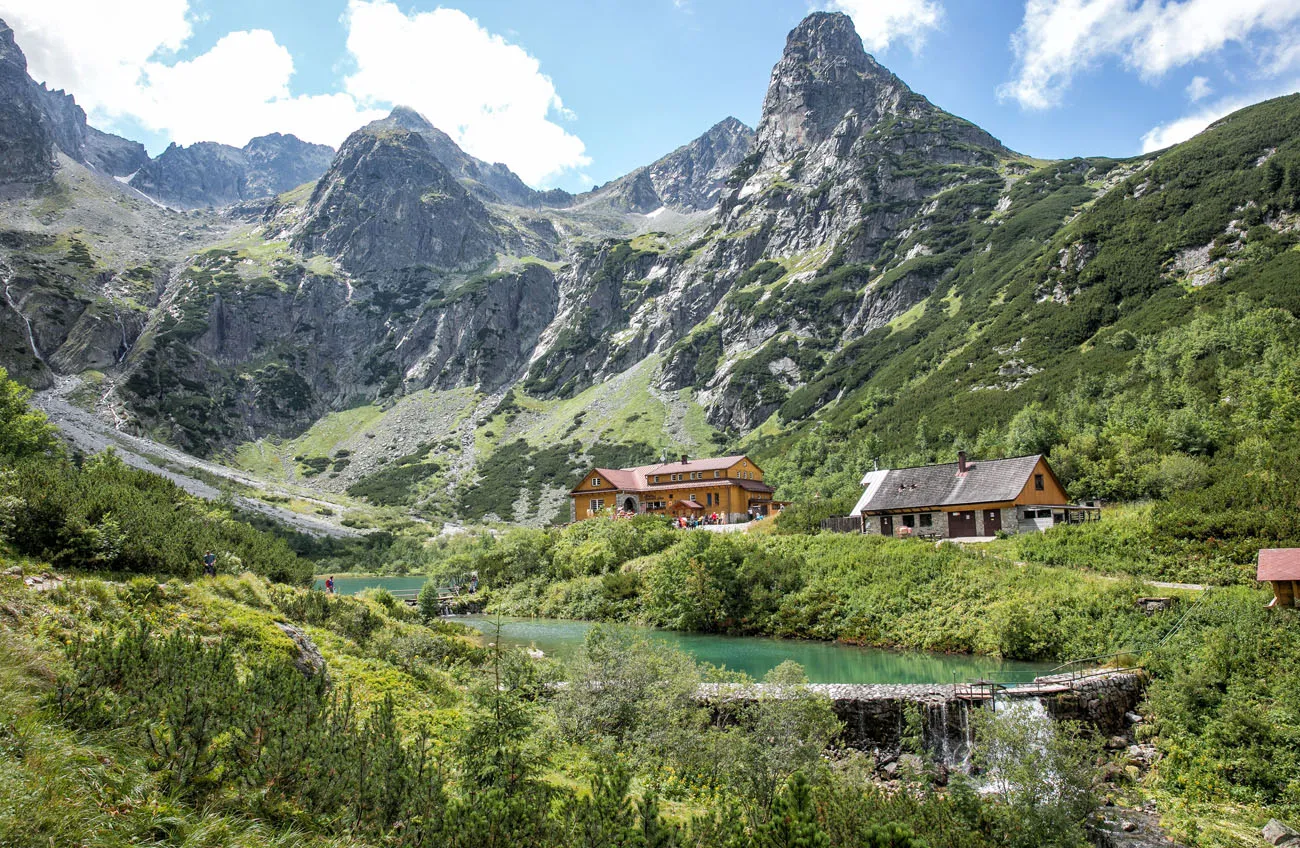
329	585
209	564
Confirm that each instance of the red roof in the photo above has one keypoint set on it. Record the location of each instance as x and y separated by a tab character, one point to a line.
639	479
620	478
1279	564
720	463
689	504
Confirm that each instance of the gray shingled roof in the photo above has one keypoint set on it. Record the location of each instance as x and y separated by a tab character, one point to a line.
985	481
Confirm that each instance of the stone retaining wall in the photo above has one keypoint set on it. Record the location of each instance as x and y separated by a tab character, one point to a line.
875	717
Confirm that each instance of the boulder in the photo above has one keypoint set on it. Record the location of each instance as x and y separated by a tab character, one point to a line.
1277	833
309	660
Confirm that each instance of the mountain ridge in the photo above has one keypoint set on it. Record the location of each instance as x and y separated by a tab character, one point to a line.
741	292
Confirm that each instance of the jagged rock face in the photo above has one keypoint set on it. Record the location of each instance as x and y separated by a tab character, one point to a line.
845	168
493	182
26	140
693	175
203	174
690	178
388	204
103	151
823	74
212	174
228	356
277	163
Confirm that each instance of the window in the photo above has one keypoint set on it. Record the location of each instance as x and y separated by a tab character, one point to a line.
595	481
927	520
1038	482
717	474
692	498
656	478
909	520
597	504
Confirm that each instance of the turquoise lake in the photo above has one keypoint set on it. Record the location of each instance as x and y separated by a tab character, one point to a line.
824	662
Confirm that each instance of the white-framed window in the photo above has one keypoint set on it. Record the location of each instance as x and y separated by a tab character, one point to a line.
597	504
717	474
595	481
692	498
656	478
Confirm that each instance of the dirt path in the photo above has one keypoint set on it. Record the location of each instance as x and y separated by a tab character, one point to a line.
90	435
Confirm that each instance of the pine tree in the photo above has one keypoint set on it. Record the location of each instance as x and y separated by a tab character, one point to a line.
793	823
655	832
1273	176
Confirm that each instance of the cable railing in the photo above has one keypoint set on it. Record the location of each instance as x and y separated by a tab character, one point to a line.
1068	673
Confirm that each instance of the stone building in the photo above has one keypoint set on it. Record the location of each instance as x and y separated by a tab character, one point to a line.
968	498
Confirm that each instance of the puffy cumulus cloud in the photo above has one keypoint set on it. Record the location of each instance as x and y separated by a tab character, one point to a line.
121	64
1199	88
1181	129
882	22
240	89
1060	38
95	49
488	94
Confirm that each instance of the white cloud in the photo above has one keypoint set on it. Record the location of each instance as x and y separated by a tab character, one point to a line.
1181	129
240	89
882	22
488	94
95	49
120	64
1199	88
1061	38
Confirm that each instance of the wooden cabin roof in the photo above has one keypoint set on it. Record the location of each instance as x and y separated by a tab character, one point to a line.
985	481
1278	564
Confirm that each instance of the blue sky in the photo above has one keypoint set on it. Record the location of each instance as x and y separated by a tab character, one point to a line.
573	93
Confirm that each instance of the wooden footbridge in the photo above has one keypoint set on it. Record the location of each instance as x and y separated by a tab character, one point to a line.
447	595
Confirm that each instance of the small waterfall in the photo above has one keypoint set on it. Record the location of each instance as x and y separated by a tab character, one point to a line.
31	337
1036	725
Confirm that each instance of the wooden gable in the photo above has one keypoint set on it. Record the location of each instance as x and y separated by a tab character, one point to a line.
744	465
1052	492
586	485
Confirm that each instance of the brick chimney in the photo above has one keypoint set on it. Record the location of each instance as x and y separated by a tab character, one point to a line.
962	467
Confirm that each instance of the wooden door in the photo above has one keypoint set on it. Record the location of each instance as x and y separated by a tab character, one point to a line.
961	524
992	521
886	525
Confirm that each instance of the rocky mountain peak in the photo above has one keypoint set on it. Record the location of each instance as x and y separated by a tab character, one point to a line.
493	182
26	143
388	204
824	74
211	174
407	118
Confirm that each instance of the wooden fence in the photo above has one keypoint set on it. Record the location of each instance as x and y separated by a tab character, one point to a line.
843	524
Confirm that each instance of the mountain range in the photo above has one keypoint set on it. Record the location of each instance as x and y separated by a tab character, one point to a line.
401	322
